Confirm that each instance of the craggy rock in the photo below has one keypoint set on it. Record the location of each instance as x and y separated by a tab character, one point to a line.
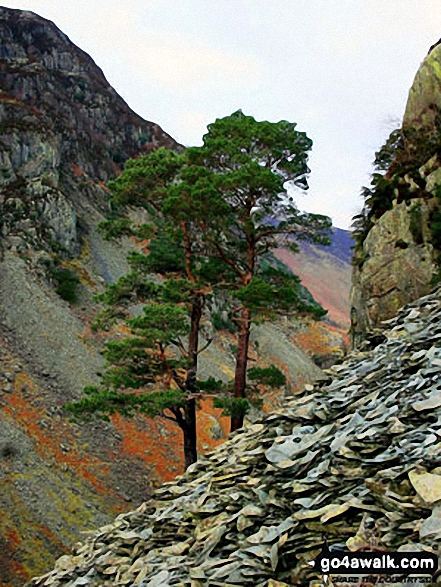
63	132
396	269
398	263
425	93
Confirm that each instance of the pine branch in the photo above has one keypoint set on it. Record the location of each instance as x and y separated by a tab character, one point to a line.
205	347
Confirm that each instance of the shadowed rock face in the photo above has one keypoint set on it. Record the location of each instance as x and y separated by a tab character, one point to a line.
63	130
397	269
44	73
434	45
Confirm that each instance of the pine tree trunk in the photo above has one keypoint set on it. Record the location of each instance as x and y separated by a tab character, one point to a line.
190	433
190	436
240	377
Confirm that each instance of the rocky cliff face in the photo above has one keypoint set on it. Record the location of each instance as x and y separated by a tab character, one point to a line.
64	132
398	259
398	267
425	94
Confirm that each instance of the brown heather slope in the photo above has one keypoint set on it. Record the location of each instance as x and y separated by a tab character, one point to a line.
64	132
326	278
326	273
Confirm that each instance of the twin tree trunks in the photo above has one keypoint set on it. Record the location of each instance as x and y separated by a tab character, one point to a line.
215	214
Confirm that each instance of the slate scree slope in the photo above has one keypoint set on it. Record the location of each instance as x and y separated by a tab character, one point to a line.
354	458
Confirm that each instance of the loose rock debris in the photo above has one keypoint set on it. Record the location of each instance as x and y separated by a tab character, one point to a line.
356	460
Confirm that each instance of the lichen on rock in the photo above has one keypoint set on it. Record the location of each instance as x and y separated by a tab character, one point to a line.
398	267
398	255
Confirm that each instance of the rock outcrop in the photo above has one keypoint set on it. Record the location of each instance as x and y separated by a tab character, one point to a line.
425	94
63	131
355	460
398	266
399	258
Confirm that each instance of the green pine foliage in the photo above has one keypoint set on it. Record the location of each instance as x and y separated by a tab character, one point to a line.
397	162
233	407
215	213
271	376
106	402
66	282
153	370
238	178
277	292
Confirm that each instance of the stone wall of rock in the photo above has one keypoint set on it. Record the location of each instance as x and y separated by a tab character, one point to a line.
63	133
398	261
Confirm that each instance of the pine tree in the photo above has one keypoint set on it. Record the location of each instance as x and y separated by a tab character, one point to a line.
216	211
154	369
250	162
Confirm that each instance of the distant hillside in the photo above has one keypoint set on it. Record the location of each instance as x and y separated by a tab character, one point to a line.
326	272
341	245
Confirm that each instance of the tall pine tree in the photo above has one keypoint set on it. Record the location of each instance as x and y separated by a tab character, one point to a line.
250	163
217	212
154	369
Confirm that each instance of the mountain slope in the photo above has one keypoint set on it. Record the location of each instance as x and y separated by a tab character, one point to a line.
326	272
64	132
354	460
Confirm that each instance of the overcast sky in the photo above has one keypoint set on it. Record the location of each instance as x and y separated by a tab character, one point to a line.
341	69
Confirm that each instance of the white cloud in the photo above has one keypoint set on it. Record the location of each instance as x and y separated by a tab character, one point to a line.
181	63
339	68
